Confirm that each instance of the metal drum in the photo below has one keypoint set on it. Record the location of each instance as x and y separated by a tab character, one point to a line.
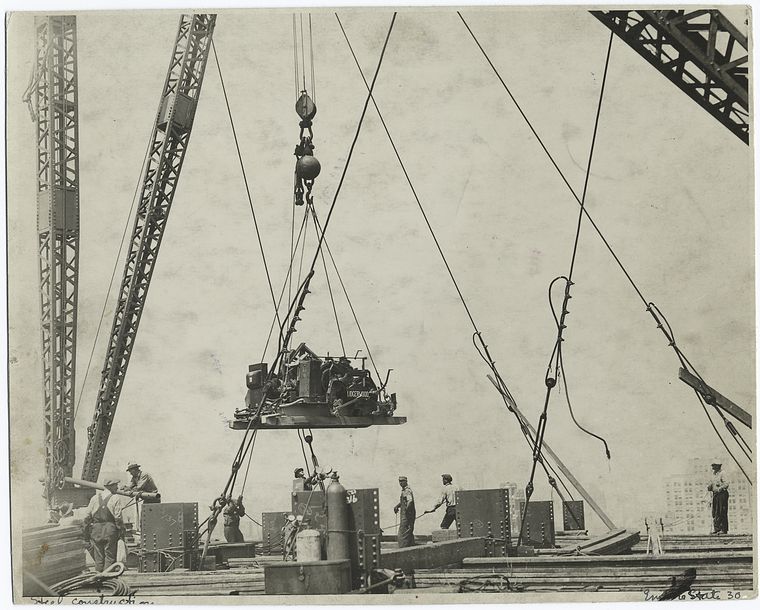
309	545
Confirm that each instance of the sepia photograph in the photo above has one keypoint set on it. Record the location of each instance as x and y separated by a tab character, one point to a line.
381	305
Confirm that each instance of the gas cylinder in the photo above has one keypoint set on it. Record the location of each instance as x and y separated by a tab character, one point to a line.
337	520
308	167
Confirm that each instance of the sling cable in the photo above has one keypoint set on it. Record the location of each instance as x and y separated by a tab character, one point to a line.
688	374
246	446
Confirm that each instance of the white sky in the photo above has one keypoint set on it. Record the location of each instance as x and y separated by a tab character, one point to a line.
670	188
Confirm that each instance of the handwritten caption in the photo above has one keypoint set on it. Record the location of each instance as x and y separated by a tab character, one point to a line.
695	595
96	600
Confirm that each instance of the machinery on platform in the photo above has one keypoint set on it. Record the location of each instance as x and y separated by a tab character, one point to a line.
315	391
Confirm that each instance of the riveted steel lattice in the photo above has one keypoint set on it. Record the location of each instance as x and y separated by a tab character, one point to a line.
700	51
53	98
169	142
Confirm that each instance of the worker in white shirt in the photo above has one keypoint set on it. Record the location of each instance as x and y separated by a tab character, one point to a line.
103	525
719	488
449	498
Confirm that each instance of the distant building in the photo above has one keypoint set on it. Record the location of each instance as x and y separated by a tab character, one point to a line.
689	503
516	501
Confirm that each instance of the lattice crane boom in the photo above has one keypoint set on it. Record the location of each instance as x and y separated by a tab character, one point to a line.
700	51
52	97
169	142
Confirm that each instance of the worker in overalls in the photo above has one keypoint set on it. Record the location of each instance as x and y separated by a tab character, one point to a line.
449	498
232	513
103	525
407	514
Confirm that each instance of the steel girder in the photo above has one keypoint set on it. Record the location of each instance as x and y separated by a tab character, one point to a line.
54	92
700	51
169	142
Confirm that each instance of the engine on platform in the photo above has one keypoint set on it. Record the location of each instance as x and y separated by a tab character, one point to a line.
309	388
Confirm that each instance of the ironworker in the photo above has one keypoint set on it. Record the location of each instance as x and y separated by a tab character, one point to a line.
719	488
232	513
408	513
301	482
141	482
449	498
103	525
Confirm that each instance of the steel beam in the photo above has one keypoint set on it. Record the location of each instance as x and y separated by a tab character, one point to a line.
699	51
168	145
712	396
53	100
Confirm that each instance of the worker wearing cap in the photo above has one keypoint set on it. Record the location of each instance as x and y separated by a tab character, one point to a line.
719	488
232	512
408	513
300	482
141	482
449	498
103	525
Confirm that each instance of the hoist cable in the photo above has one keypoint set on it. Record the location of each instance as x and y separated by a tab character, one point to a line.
311	56
348	299
352	147
303	55
295	55
292	232
113	274
550	382
303	450
245	179
329	286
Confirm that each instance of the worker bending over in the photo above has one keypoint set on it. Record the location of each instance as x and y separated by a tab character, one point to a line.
141	482
232	513
103	525
408	513
449	498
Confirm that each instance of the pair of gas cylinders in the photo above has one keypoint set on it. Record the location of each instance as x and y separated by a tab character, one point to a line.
308	542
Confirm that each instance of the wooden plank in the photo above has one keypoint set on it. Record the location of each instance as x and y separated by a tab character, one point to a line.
720	401
432	555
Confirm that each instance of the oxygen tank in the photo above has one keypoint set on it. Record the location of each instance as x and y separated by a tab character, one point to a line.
337	520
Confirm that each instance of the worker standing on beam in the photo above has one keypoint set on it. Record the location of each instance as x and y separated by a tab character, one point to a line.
719	488
449	498
141	482
408	513
103	525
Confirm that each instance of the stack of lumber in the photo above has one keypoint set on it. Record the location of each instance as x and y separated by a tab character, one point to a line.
53	553
614	542
685	543
722	571
238	581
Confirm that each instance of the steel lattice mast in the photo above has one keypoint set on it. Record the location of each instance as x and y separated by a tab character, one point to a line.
169	141
700	51
54	95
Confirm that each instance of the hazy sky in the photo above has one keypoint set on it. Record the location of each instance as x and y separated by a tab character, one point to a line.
670	188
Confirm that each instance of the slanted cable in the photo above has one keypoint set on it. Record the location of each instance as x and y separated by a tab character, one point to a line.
570	188
482	349
555	359
113	275
245	179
